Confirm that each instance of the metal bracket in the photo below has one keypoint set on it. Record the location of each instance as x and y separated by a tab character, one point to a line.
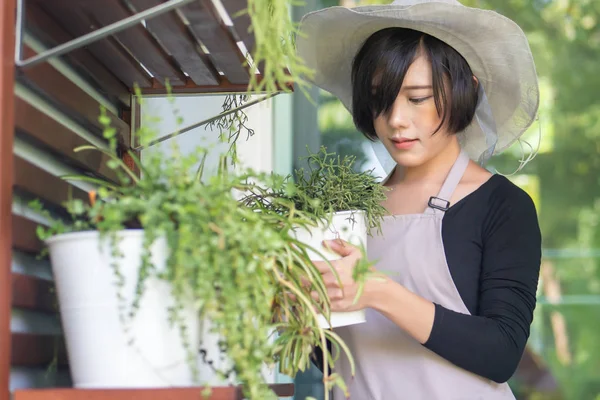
204	122
87	38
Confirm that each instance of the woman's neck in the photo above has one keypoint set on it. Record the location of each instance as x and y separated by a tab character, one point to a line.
434	170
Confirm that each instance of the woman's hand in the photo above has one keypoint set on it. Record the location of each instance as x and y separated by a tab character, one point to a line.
409	311
342	289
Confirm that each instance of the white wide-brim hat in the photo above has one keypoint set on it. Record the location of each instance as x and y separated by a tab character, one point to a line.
494	46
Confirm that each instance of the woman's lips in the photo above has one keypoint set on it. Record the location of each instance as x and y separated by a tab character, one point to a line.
404	144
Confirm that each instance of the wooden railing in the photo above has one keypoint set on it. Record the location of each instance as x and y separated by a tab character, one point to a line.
219	393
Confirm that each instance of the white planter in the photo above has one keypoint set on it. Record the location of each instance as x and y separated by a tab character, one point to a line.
212	360
100	352
350	226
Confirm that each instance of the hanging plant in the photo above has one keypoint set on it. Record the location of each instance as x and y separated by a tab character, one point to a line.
241	270
274	33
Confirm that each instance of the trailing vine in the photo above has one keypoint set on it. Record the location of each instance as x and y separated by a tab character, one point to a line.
275	49
241	269
231	125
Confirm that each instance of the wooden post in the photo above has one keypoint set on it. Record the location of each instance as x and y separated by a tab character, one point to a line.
7	64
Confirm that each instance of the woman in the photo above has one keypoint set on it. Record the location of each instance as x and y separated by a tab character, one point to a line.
437	86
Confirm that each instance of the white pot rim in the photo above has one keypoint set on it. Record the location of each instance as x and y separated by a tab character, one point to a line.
87	235
349	212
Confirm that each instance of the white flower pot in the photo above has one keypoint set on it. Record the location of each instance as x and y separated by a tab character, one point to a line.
100	352
350	226
212	360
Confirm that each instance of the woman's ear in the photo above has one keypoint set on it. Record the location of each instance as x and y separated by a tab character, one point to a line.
476	81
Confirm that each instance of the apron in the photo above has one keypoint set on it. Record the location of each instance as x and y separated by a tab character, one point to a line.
390	364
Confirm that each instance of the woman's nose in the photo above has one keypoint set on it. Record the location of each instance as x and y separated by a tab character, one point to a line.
399	116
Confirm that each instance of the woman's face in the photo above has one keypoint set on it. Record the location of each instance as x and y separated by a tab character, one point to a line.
407	130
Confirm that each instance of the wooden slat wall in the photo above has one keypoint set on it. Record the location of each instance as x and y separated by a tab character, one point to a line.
179	43
24	236
68	97
56	108
138	40
237	11
32	293
191	47
108	52
38	351
35	126
217	39
43	26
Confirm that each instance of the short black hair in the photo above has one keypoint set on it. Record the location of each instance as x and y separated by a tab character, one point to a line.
380	66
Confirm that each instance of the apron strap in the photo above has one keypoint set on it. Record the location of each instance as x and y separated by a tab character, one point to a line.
441	203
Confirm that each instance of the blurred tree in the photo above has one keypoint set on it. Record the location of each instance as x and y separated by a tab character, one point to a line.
338	132
565	40
563	179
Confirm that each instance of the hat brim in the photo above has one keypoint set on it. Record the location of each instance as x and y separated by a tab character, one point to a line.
495	47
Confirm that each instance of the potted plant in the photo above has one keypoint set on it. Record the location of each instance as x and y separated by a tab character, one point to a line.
343	204
154	265
158	263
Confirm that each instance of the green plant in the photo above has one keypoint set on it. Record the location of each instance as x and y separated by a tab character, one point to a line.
337	186
241	269
275	47
231	124
329	185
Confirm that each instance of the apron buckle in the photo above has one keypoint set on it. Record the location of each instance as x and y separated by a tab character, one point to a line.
436	202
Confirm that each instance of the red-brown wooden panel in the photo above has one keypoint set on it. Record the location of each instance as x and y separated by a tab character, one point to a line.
43	185
137	40
173	35
7	51
24	235
33	350
42	26
60	139
218	393
33	293
69	15
218	40
124	394
73	101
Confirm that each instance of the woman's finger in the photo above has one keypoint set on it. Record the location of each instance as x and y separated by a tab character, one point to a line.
315	296
330	280
324	266
335	293
340	247
305	282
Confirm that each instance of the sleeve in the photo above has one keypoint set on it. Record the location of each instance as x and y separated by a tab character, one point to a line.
490	343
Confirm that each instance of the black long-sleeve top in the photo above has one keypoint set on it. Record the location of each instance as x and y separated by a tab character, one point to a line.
493	246
492	242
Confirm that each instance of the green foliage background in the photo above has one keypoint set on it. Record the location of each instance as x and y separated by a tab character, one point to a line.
563	179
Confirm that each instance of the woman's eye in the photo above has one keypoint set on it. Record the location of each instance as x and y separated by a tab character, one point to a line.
420	100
